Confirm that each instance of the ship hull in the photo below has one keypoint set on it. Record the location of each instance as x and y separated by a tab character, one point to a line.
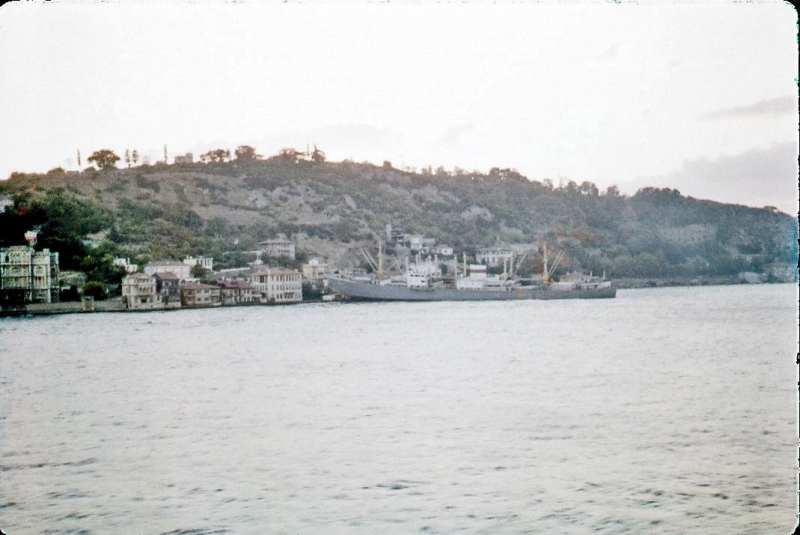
364	291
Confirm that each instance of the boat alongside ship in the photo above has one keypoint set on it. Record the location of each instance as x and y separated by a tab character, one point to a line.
423	281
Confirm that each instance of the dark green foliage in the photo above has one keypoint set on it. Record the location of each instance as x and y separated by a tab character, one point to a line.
69	294
94	289
624	236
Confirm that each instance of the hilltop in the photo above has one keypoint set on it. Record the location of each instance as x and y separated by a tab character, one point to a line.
332	209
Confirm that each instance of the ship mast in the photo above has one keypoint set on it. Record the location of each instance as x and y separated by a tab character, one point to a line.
545	274
380	260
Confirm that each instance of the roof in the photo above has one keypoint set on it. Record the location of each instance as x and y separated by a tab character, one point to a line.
198	286
234	284
139	276
276	271
166	263
167	276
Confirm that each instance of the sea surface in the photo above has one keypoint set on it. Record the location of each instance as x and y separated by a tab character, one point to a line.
667	410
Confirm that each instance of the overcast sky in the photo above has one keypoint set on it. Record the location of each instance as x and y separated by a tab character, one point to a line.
700	97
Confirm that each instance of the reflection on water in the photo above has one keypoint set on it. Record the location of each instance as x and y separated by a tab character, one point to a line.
668	410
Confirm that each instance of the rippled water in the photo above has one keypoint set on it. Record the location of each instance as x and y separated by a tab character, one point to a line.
664	410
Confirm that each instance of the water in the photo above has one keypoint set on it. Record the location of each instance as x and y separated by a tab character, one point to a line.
664	410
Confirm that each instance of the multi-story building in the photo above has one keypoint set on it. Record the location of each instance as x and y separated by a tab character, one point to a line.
494	256
278	247
139	291
205	261
168	288
179	269
689	234
278	285
315	270
34	274
195	294
236	292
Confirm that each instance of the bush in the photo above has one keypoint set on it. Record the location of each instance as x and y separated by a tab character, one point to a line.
94	289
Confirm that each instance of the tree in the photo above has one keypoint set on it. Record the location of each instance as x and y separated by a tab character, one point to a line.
215	156
94	289
317	156
198	271
246	153
104	159
288	155
128	158
135	156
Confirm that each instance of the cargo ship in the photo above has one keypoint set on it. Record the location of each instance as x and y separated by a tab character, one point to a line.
423	281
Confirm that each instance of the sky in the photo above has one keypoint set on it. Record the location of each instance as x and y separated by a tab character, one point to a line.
701	97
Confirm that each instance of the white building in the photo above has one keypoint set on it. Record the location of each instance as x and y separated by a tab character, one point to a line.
179	269
278	247
34	273
139	292
444	250
689	234
126	265
419	242
278	285
315	270
494	256
205	261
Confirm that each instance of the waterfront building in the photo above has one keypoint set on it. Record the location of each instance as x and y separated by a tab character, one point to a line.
168	288
315	270
139	292
278	247
195	294
278	285
179	269
236	292
34	274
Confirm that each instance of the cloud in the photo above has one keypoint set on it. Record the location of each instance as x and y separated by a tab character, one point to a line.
778	106
759	177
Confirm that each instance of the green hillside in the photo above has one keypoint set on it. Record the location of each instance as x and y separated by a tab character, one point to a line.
332	209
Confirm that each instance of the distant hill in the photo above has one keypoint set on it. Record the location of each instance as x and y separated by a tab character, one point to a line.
332	209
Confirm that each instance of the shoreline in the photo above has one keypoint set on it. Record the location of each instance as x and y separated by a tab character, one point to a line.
115	305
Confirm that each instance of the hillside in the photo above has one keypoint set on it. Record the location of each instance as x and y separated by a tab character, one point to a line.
332	209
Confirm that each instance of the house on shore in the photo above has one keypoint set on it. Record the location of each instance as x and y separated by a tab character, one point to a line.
278	285
139	292
195	294
168	286
34	275
237	292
